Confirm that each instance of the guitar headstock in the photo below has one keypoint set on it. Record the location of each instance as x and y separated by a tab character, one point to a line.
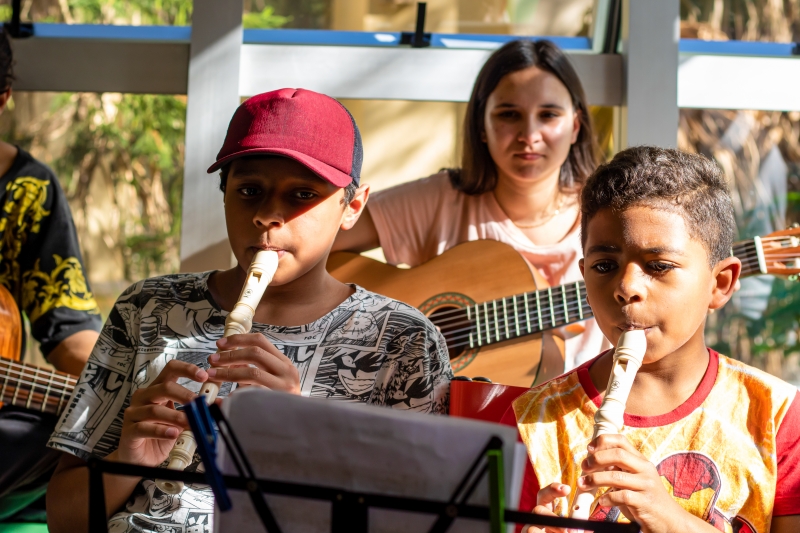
778	253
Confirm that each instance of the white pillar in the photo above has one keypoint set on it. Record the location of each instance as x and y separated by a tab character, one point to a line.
212	97
650	33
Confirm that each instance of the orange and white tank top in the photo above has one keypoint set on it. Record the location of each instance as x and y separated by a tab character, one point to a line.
716	453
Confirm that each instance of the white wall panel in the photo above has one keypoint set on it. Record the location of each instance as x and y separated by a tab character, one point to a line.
397	73
736	82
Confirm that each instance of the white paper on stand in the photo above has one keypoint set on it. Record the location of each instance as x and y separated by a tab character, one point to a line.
360	448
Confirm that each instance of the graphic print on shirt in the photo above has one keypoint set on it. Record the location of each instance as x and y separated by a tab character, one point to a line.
694	481
718	454
369	349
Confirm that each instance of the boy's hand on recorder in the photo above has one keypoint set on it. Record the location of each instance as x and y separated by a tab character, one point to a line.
151	424
545	505
250	359
639	492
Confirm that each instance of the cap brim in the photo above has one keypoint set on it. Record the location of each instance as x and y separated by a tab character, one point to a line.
328	173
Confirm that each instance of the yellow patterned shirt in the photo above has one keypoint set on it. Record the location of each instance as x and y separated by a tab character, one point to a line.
40	260
718	454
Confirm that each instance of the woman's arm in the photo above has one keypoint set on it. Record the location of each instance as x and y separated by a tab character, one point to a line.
360	238
68	494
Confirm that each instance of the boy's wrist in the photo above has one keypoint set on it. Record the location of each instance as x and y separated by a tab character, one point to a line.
684	521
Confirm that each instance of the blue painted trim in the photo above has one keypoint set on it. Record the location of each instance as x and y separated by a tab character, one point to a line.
736	48
360	38
178	34
322	37
183	34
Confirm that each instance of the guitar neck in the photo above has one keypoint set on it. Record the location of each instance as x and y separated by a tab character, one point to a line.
29	386
514	316
751	254
537	311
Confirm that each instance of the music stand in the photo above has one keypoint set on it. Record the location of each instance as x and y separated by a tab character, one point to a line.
349	509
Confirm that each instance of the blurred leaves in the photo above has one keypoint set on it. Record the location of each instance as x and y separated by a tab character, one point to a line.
264	19
119	156
744	20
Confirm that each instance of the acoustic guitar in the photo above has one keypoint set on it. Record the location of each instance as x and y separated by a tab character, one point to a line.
21	384
497	313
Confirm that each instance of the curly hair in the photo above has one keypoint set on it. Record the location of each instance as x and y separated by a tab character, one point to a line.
689	184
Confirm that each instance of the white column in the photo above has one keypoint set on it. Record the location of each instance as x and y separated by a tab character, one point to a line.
213	95
650	32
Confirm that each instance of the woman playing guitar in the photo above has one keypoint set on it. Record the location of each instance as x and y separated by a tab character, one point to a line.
528	146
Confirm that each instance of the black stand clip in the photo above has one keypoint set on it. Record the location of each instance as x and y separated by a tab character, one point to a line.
418	39
16	28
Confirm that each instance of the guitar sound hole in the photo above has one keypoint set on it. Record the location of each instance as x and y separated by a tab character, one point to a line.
455	326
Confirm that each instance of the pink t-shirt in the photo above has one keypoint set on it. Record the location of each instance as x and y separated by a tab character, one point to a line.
422	219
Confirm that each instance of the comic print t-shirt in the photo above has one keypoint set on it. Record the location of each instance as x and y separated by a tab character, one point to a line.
40	261
369	349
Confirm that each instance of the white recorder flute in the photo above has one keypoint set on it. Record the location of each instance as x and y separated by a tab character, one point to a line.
239	321
610	418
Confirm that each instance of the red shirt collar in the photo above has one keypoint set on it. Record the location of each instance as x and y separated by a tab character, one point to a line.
683	410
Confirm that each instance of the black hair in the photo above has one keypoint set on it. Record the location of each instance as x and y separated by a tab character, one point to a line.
663	178
349	190
6	61
478	172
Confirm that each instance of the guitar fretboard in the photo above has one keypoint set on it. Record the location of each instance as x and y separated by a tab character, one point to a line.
28	386
514	316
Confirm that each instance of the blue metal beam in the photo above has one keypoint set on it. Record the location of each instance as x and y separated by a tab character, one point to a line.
183	34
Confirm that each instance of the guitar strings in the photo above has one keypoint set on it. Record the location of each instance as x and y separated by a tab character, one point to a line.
19	377
37	373
501	324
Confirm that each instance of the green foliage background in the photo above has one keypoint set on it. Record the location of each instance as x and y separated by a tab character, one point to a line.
130	139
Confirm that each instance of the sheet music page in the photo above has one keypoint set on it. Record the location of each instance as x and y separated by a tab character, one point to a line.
356	447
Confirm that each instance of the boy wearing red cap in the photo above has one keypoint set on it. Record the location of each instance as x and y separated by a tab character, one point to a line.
289	171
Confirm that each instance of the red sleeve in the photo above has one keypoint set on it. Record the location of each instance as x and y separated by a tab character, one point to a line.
787	493
530	484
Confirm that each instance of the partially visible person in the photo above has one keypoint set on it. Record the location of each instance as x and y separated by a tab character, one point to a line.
528	146
41	266
710	444
289	171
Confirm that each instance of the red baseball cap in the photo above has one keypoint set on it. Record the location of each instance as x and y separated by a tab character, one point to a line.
311	128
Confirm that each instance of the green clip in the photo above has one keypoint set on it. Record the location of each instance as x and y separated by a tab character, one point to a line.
497	503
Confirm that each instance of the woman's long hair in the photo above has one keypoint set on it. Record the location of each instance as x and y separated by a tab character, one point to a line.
478	173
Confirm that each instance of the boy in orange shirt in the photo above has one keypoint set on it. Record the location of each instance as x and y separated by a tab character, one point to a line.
710	444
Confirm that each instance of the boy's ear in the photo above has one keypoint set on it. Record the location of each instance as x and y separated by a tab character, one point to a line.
725	281
353	210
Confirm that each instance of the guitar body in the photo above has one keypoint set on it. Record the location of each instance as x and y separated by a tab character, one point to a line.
10	326
466	274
